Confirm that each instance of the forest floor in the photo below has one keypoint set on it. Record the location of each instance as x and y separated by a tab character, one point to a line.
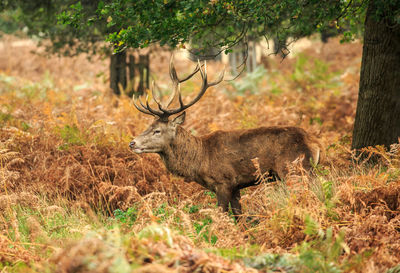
74	198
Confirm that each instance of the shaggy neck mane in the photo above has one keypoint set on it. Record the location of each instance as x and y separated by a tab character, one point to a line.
183	156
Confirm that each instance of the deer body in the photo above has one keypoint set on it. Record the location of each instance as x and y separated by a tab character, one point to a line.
221	161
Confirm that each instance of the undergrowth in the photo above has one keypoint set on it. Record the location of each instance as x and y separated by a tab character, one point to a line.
74	198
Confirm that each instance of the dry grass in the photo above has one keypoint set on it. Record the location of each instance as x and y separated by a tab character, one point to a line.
74	198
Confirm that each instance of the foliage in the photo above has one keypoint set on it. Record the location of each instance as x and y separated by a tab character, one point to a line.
313	73
320	254
8	23
127	217
215	24
395	269
40	20
202	228
71	136
249	83
323	252
274	262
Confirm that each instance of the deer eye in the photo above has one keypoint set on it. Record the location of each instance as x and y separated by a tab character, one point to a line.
156	132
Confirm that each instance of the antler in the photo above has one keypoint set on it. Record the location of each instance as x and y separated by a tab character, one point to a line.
176	81
163	112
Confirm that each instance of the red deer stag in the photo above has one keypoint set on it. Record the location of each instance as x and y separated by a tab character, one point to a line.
220	161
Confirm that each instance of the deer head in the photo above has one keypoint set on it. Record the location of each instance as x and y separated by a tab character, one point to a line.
162	131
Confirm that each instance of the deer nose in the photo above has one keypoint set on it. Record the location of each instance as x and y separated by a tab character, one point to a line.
132	144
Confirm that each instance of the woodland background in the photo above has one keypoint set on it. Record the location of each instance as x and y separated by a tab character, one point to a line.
74	198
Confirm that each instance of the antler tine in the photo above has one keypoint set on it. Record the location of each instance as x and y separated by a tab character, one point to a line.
163	112
154	112
203	89
221	77
173	74
175	81
143	110
146	109
196	69
154	95
205	85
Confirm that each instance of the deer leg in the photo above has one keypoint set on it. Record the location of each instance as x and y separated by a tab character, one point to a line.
223	197
223	202
282	173
235	204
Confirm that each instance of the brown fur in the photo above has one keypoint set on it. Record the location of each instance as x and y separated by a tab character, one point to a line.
222	161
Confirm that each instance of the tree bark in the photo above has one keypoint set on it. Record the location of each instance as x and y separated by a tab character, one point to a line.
131	73
144	74
118	72
377	119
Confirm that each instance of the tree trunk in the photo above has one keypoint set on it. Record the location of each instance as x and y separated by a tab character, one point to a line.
132	72
144	74
118	72
378	108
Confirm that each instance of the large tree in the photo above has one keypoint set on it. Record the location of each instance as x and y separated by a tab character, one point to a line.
139	23
378	108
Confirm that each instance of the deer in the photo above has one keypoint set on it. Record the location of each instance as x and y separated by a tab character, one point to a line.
220	161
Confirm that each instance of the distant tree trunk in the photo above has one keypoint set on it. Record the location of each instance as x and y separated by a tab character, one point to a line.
118	72
280	46
144	74
378	109
328	33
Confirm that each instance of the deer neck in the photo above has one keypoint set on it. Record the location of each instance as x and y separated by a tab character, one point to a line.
183	156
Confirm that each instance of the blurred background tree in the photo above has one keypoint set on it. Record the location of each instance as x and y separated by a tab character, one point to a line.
39	19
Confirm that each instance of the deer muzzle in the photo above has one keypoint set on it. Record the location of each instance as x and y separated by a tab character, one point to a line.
136	147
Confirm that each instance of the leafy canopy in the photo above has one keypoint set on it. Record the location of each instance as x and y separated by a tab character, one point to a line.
78	26
216	23
40	19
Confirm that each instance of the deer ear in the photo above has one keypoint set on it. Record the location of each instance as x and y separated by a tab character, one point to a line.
179	119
